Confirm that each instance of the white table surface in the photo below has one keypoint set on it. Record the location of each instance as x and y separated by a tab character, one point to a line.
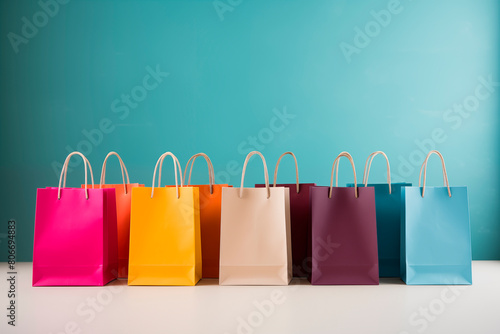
391	307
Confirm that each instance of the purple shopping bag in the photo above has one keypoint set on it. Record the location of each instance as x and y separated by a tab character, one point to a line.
344	233
300	219
75	234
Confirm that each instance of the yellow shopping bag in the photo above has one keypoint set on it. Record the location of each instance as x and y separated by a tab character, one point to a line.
165	240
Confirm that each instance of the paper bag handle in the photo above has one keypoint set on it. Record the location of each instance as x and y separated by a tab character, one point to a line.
180	172
266	175
296	169
424	167
64	171
211	176
336	164
65	166
122	167
366	172
176	165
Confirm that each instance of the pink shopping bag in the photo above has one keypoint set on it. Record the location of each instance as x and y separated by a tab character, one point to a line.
75	234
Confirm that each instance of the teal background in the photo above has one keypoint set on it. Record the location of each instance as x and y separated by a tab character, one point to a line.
226	76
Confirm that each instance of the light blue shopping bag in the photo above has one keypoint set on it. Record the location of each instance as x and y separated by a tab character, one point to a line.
435	233
388	210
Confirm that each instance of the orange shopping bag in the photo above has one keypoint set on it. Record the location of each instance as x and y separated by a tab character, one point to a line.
123	198
165	241
210	206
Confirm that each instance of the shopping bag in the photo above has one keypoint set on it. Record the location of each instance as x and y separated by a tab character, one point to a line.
210	208
300	219
123	194
165	243
75	240
344	233
435	233
388	207
255	243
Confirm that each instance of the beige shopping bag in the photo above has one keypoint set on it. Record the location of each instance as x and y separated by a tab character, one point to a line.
255	238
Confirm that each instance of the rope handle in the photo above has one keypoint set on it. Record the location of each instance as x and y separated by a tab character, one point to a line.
211	175
180	172
424	167
296	169
266	175
122	167
65	167
160	163
64	171
335	168
366	171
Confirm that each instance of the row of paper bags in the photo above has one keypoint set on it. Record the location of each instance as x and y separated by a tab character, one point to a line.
175	235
